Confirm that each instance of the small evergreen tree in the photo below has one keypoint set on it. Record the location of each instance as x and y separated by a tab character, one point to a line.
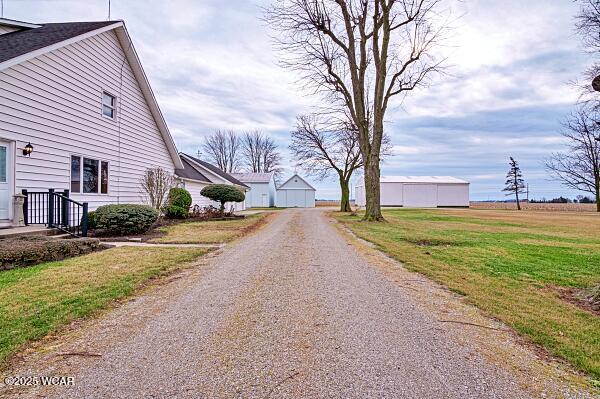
178	204
514	181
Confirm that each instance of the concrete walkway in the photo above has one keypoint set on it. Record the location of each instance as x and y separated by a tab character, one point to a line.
295	311
149	244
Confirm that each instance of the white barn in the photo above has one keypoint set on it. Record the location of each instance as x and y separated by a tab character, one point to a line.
419	192
295	192
262	189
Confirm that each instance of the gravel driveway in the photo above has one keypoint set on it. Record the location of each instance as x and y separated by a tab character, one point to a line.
290	311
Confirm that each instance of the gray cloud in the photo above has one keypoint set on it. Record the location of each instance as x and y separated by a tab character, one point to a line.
211	65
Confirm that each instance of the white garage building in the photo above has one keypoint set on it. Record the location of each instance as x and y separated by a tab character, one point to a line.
419	192
262	188
295	192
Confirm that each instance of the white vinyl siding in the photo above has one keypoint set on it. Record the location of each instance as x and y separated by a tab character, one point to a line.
295	192
257	194
54	102
194	188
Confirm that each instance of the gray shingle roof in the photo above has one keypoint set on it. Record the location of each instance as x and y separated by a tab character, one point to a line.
189	172
24	41
254	177
216	170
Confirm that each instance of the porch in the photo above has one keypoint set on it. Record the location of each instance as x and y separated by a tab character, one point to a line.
47	213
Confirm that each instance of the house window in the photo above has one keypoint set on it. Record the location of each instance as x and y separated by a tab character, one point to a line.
75	174
104	177
88	175
109	103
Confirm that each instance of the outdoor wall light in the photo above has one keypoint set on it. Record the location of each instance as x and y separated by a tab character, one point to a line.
28	149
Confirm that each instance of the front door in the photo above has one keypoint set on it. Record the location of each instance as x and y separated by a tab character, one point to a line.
264	203
4	180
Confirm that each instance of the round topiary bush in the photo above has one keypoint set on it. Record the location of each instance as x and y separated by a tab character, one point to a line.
125	219
178	204
223	193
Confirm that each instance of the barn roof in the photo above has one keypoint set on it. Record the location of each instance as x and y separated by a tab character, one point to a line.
254	177
422	179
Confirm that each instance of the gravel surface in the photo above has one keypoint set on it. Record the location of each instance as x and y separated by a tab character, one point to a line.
290	311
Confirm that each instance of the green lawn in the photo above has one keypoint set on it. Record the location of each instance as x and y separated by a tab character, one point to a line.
37	300
209	232
508	263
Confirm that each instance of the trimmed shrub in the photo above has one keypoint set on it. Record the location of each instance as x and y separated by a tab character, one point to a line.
91	220
125	219
31	250
178	204
223	193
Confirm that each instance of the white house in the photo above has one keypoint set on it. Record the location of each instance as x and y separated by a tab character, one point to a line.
262	188
76	113
419	192
295	192
197	174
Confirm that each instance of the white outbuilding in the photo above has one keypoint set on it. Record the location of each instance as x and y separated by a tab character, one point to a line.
419	192
295	192
262	188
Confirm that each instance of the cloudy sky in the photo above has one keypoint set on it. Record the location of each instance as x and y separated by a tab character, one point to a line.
212	65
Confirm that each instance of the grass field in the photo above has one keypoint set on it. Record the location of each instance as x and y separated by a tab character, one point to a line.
510	264
37	300
209	232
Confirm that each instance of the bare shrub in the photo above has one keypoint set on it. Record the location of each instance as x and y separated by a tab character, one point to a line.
155	185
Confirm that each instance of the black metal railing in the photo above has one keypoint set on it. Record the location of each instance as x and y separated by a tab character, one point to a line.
57	211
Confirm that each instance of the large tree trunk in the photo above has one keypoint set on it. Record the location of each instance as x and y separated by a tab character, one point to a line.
597	194
518	203
345	201
372	192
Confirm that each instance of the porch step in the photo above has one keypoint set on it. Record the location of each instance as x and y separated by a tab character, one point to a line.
11	232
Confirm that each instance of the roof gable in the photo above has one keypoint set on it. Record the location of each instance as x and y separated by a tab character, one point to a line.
20	46
24	42
212	169
295	183
190	172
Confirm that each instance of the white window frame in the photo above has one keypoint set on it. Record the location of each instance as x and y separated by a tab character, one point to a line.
112	107
100	162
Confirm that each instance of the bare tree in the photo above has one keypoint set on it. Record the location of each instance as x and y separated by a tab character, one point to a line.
579	166
587	25
222	148
155	185
359	54
514	181
260	153
323	146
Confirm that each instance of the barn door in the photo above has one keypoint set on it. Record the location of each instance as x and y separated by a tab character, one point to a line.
420	196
